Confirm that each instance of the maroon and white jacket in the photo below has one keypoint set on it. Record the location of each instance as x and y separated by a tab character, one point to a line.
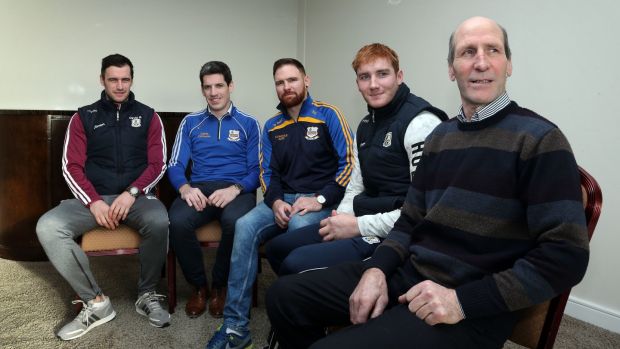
109	148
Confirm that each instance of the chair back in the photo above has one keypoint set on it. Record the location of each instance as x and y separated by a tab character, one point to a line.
538	325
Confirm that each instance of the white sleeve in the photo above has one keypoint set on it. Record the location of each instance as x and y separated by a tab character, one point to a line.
415	135
380	224
355	186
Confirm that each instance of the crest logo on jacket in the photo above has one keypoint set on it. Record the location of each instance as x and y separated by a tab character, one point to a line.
388	140
312	133
233	135
136	121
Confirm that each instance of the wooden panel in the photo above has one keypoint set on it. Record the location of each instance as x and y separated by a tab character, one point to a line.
31	181
23	184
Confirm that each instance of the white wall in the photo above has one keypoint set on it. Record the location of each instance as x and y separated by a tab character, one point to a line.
565	57
52	50
564	60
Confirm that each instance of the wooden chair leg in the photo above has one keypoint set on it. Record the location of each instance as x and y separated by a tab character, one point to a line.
172	281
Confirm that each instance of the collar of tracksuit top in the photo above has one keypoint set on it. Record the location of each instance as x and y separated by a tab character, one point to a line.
488	110
228	112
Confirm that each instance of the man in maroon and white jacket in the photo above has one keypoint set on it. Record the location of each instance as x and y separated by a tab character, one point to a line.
114	154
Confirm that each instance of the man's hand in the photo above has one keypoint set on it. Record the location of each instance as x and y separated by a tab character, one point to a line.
433	303
339	226
282	213
194	197
120	207
100	210
224	196
369	297
306	204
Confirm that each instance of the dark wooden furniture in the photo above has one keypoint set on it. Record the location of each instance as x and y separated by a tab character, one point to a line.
538	325
31	181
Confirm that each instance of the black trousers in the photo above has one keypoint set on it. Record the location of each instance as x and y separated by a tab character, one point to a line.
184	221
301	306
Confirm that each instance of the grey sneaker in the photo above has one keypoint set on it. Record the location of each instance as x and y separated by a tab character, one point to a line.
148	305
92	315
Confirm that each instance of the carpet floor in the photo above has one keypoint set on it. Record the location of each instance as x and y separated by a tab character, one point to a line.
35	302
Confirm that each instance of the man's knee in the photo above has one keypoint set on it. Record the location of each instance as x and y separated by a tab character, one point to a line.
50	227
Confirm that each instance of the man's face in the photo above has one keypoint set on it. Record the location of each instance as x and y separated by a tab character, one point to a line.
217	93
291	85
480	65
378	82
117	83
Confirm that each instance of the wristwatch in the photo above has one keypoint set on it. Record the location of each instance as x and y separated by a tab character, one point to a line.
321	199
238	186
133	191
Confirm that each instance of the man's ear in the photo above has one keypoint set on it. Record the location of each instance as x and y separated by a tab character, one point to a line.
231	86
451	73
307	81
101	80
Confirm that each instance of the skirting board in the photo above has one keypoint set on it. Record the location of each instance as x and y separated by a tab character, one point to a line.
593	314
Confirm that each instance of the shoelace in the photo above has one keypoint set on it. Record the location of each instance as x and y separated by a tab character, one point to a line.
84	315
151	300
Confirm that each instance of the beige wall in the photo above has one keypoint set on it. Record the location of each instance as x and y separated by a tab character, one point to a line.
565	58
52	50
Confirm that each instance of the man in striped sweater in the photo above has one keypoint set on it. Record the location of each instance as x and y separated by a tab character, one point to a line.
492	223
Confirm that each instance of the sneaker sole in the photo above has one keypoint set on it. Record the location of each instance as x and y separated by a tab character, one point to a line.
93	325
141	312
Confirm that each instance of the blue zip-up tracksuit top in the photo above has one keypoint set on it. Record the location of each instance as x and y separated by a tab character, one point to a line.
311	155
220	150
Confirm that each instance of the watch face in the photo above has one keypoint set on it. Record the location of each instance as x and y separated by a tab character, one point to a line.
321	199
134	191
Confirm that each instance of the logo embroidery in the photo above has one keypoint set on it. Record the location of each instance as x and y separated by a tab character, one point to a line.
233	135
136	121
97	126
281	137
312	133
388	140
91	111
204	135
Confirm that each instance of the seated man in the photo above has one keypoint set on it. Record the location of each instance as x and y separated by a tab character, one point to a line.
389	144
114	154
222	143
305	166
493	223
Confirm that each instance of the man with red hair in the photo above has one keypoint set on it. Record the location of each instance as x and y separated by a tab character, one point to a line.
389	144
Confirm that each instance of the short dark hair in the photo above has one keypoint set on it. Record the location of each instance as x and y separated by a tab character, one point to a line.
292	61
116	60
216	67
451	44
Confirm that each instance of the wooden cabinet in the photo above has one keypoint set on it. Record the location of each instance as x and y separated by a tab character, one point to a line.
31	180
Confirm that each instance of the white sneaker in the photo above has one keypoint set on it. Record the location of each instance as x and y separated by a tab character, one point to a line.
92	315
148	305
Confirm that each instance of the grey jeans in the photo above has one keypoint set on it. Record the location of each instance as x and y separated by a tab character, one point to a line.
58	228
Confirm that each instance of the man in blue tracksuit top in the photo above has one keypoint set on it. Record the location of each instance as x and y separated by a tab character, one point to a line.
222	144
307	159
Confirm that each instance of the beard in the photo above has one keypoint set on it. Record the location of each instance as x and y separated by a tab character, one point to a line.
291	100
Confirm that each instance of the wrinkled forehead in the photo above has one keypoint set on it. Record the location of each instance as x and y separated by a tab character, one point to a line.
476	32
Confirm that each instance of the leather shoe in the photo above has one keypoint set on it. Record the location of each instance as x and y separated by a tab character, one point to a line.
217	301
197	303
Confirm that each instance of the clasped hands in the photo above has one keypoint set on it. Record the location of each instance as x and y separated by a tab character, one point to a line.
110	216
196	199
283	211
429	301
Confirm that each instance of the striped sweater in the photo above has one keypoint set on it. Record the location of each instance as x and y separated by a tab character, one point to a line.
494	212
